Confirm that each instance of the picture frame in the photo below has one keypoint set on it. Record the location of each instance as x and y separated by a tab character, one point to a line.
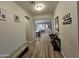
57	24
2	14
67	19
16	18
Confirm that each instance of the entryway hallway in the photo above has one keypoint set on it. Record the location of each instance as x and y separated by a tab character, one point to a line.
21	21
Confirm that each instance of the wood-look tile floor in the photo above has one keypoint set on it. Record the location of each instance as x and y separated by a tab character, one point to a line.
42	48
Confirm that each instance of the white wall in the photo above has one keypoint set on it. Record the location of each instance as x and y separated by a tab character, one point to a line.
68	33
12	35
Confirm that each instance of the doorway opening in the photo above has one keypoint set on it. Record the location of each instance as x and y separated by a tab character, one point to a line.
43	25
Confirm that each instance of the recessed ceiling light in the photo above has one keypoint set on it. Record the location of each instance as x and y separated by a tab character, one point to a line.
39	6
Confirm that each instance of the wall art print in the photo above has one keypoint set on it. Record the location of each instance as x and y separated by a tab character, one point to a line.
67	19
16	18
57	24
2	14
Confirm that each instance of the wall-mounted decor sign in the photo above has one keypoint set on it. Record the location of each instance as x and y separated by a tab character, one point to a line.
2	14
16	18
57	24
67	19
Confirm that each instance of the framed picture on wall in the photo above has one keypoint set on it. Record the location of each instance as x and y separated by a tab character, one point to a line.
57	24
16	18
2	14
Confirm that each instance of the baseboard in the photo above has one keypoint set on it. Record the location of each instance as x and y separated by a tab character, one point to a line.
63	54
23	53
4	56
17	51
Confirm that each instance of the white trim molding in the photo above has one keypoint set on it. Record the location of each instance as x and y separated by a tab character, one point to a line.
63	54
18	51
4	56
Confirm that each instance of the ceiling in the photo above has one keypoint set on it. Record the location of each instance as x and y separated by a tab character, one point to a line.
43	21
29	6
